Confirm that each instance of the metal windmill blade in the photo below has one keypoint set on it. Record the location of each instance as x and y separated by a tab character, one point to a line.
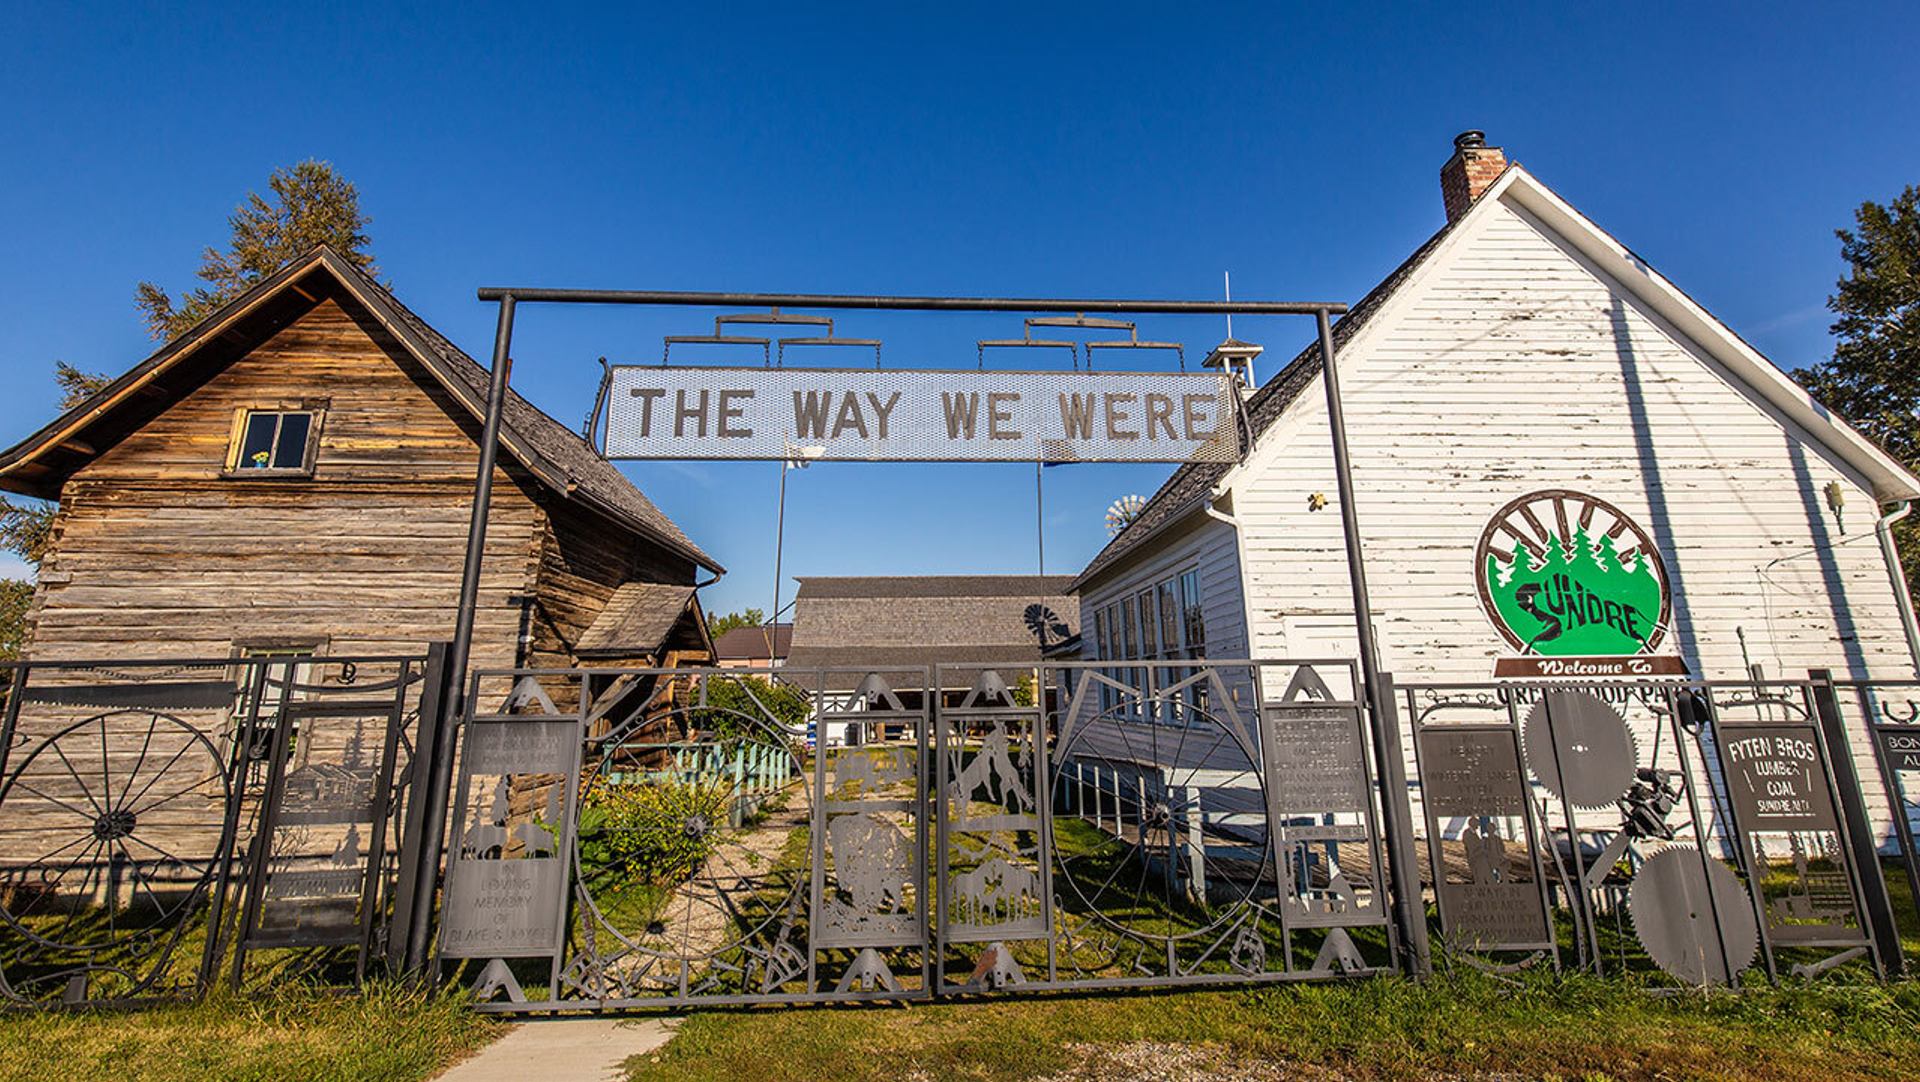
1122	513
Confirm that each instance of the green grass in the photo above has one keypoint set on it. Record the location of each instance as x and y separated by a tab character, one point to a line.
1459	1023
387	1033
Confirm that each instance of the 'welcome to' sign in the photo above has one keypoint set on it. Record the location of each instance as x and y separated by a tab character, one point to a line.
909	415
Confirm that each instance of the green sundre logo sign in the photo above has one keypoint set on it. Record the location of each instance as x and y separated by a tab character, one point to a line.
1564	574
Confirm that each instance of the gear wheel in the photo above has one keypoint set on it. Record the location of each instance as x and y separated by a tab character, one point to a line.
1588	739
1673	919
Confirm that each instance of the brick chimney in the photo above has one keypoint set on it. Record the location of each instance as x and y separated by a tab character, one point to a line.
1470	172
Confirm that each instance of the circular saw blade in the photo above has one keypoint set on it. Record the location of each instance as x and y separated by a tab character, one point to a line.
1587	755
1674	920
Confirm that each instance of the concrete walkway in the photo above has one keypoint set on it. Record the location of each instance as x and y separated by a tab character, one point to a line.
563	1050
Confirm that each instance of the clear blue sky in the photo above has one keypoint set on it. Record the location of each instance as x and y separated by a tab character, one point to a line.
1027	149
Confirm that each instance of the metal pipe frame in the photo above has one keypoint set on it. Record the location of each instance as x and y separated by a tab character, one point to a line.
1407	907
1143	306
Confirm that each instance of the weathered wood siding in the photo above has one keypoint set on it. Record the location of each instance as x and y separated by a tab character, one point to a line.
157	554
583	559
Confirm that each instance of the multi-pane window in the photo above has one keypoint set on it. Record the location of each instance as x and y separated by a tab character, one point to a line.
1159	623
277	441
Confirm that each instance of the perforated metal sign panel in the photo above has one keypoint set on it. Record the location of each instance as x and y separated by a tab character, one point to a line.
907	415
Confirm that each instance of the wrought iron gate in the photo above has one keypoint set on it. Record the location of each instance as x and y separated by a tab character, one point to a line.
659	837
162	819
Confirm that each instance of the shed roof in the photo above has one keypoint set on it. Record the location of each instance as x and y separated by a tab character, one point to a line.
819	586
930	619
638	618
553	453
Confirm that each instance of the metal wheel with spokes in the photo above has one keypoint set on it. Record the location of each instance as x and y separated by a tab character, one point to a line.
1165	840
116	823
690	862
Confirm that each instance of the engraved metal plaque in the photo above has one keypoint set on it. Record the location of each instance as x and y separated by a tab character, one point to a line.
1486	880
1315	761
521	747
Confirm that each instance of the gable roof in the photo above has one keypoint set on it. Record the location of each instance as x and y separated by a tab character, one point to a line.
752	641
1193	485
550	451
929	619
638	618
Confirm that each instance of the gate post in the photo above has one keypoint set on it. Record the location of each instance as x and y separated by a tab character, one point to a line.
1853	811
422	833
1409	906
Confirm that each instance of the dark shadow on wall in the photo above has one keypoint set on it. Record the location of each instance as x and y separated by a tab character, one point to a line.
1660	522
1844	625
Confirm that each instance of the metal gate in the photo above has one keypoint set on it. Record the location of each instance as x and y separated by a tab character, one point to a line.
1707	833
662	837
161	820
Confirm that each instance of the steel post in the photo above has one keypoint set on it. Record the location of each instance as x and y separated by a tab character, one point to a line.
1881	925
1409	913
482	500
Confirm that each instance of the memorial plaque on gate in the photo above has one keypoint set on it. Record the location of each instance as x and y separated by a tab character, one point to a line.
1315	761
1489	898
1776	778
506	872
502	908
521	747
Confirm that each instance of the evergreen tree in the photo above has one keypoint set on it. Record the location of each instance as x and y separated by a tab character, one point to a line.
311	204
1873	378
26	526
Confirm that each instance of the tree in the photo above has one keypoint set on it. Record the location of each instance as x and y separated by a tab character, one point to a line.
1873	378
311	204
26	527
720	625
15	596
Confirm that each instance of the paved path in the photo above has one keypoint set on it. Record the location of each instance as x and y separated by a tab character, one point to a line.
563	1050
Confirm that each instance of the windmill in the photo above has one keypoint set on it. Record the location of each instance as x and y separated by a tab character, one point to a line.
1122	513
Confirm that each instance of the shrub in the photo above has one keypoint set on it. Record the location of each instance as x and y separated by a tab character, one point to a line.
655	832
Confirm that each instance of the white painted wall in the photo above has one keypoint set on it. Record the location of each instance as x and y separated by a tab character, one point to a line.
1509	364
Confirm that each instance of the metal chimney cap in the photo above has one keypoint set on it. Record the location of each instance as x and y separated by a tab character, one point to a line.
1470	139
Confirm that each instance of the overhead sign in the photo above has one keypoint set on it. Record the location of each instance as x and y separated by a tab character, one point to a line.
908	415
1576	587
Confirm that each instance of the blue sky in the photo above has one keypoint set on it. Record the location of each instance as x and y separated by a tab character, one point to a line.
1107	150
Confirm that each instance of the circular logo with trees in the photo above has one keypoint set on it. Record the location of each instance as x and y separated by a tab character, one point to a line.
1564	574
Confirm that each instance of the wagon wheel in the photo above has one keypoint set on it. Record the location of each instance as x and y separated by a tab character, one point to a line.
122	816
1536	522
729	825
1142	884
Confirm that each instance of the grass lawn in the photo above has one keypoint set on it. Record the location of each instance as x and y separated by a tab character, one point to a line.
385	1034
1462	1025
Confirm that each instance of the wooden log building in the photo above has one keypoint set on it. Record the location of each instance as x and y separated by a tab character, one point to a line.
296	474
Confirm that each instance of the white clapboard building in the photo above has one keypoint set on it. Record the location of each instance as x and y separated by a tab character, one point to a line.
1524	377
1522	350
